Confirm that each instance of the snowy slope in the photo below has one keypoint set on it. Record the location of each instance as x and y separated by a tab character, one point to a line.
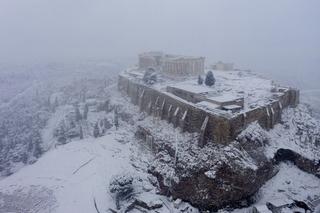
290	183
75	174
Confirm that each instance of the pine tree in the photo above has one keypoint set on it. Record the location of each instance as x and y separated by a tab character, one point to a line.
85	111
116	118
106	106
55	104
210	80
200	80
61	134
81	133
96	132
77	114
48	102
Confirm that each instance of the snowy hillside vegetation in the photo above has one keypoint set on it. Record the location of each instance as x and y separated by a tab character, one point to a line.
30	101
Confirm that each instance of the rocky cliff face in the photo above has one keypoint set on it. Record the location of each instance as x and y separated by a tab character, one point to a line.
215	176
218	176
305	164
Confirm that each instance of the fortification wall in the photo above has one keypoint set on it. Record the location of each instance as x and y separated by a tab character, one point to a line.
211	127
176	111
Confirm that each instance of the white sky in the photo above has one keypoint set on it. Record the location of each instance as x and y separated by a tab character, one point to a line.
277	37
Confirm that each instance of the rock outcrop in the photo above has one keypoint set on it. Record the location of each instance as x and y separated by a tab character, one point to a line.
305	164
215	176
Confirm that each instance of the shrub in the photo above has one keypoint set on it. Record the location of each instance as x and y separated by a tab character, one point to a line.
210	80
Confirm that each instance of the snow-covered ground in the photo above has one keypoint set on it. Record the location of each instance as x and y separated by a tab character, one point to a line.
68	178
289	183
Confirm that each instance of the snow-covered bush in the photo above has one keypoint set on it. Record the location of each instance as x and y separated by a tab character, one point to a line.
210	80
121	186
96	132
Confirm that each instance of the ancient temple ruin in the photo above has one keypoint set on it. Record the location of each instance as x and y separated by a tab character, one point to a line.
172	65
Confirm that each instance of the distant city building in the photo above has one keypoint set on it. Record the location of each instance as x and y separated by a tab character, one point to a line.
172	65
223	66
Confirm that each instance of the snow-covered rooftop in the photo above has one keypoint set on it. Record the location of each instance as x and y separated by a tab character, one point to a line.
206	104
192	87
223	97
229	85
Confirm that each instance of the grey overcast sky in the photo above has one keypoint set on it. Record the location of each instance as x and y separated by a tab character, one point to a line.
281	37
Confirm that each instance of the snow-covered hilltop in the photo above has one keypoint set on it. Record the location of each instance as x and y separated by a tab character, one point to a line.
99	152
219	108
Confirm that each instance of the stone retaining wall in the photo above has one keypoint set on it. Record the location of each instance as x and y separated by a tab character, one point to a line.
211	127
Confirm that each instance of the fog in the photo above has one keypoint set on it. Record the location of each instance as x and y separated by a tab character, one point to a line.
277	38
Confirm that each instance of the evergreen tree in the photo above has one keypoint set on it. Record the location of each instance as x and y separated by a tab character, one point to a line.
77	114
96	132
116	118
85	111
106	106
61	133
55	104
210	80
81	132
200	80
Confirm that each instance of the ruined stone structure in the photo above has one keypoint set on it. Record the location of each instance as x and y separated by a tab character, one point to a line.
223	66
150	59
172	65
212	125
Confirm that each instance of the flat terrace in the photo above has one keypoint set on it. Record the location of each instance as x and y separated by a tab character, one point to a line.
256	91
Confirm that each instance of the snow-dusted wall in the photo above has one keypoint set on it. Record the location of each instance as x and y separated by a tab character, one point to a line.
219	128
268	115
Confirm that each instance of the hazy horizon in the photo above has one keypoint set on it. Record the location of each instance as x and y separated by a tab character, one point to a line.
277	38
